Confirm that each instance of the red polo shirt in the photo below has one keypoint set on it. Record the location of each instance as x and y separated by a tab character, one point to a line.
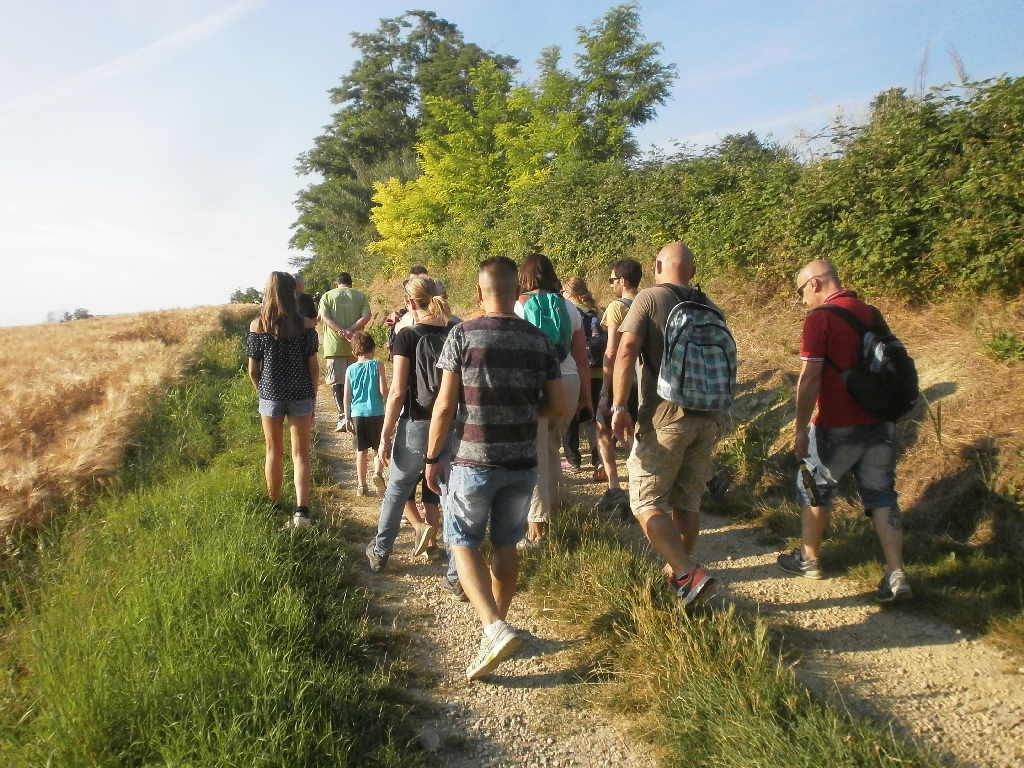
828	335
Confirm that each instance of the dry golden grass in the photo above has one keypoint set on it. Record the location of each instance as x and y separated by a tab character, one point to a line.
73	392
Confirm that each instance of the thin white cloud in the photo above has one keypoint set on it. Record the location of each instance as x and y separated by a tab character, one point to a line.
144	57
770	58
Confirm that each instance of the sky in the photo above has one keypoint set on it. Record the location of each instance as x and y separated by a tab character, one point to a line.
148	147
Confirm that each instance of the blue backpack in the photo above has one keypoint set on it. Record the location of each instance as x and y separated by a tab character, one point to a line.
547	311
698	366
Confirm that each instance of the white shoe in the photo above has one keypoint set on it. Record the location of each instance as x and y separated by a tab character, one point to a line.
493	651
300	520
342	424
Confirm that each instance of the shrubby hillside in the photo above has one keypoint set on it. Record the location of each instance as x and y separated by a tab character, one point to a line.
438	155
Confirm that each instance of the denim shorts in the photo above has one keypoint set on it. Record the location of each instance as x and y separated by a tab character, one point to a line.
278	408
476	496
868	450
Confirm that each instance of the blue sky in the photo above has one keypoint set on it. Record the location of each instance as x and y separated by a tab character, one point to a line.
147	148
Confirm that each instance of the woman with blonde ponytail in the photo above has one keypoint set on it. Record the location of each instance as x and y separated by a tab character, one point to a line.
407	419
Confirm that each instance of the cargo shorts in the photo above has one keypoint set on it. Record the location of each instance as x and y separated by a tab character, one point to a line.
668	466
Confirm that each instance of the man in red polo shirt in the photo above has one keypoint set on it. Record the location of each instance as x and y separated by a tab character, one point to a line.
844	436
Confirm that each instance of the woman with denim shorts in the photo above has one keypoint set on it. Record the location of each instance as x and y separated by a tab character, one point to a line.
282	347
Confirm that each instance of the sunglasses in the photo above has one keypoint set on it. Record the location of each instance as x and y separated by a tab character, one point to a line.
613	279
800	290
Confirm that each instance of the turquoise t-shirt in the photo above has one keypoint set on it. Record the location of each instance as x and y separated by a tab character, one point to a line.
363	379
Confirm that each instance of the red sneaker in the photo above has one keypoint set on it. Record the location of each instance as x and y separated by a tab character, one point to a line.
693	589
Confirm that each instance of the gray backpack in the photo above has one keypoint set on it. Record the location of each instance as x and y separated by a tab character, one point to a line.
428	375
698	366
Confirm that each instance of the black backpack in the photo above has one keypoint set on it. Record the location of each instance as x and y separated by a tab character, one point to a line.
884	378
596	337
428	375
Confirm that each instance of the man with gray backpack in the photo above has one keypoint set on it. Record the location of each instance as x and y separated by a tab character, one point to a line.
862	380
687	382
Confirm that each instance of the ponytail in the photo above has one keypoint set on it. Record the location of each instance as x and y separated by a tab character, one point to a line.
429	296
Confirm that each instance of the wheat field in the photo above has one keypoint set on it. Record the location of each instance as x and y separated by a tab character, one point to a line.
73	392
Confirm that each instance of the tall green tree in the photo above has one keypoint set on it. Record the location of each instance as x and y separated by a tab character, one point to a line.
621	81
407	60
483	159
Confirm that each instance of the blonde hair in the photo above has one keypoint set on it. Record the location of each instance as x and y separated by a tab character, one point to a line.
429	296
578	291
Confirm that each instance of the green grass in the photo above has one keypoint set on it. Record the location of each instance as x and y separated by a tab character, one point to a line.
712	690
172	623
1006	346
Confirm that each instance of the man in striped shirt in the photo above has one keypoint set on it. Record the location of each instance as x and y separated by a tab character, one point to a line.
500	374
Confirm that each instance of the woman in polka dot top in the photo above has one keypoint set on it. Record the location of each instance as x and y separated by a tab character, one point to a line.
283	365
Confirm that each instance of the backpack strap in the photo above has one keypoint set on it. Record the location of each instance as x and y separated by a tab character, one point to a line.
627	302
850	318
697	297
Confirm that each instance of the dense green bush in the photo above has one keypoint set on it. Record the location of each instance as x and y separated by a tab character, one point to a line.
925	198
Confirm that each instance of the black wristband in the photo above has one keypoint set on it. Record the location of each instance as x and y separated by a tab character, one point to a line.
432	461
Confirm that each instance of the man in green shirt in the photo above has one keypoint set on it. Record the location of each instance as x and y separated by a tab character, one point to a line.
343	311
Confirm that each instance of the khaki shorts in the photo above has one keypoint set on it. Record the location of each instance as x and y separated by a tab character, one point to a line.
335	367
668	467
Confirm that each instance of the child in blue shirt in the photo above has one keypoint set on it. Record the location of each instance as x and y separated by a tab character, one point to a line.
366	389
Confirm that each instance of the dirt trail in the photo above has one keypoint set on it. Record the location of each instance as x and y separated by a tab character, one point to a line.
930	680
927	678
516	717
966	697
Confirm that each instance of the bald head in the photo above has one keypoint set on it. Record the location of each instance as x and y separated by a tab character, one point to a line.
674	264
825	270
816	282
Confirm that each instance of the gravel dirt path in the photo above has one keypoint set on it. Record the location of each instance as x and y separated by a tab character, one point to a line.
519	716
928	679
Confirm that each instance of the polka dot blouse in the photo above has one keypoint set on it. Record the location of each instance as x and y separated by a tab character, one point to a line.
285	373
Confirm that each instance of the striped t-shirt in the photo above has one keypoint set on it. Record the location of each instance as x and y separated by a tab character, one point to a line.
503	363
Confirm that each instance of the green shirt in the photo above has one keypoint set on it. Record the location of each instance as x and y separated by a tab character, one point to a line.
344	306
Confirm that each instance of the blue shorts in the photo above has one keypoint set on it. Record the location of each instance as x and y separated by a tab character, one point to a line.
476	496
868	450
277	409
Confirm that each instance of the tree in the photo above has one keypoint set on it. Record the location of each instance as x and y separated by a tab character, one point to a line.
248	296
483	157
621	81
78	314
408	60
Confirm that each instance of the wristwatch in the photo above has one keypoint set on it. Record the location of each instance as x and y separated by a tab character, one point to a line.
619	409
432	461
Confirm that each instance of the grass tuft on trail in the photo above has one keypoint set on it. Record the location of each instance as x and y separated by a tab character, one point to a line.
713	690
173	623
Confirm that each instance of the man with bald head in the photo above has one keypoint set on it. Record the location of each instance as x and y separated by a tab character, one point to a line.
500	374
671	456
845	437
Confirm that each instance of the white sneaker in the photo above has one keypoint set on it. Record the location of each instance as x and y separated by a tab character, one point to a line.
300	520
493	651
342	424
